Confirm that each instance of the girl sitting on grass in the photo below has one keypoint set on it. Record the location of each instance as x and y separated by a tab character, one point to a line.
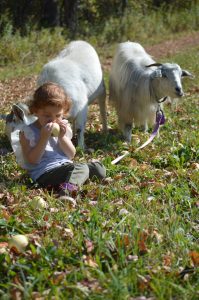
48	159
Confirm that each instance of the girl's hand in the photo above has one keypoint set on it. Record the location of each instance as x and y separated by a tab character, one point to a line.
65	129
64	139
46	131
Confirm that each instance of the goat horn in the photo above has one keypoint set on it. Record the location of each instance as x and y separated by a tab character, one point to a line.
154	65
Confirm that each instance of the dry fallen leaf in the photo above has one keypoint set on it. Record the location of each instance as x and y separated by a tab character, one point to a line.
89	246
132	257
89	261
167	259
119	176
2	195
3	244
194	255
158	236
144	167
144	282
5	214
92	284
195	166
142	242
58	277
16	294
3	247
126	240
132	163
123	212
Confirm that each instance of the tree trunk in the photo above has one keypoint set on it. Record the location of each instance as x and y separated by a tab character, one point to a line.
50	13
70	15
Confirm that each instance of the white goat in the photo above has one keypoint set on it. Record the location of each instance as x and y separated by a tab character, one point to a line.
137	83
18	116
78	70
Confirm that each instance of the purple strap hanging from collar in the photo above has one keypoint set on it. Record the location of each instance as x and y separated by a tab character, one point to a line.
160	120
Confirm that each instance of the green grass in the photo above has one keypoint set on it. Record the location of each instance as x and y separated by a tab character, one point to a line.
22	56
142	224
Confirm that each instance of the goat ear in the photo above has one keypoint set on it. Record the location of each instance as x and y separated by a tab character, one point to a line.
18	112
186	73
21	112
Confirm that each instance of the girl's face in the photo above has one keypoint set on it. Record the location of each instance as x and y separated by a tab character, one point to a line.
49	114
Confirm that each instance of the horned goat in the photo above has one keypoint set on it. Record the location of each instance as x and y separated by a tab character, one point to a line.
137	83
78	70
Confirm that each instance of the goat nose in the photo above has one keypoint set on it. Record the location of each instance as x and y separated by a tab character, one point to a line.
179	91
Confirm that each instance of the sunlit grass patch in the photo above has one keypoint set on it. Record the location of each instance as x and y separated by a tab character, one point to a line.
136	234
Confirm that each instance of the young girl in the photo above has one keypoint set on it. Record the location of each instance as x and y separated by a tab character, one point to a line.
48	159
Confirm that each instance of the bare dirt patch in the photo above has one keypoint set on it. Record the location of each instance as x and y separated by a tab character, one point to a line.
174	46
15	90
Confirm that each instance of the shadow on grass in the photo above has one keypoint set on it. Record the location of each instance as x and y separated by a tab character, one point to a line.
5	146
103	141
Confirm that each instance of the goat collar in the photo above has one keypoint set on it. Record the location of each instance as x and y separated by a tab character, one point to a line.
161	100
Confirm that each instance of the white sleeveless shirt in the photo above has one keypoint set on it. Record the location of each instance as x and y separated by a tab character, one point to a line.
53	156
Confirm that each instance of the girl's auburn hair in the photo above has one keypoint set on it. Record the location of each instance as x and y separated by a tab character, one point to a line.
50	94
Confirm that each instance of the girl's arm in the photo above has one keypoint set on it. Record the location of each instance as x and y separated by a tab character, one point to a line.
65	142
33	154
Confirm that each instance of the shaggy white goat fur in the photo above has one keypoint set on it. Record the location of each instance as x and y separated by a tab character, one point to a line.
137	83
78	70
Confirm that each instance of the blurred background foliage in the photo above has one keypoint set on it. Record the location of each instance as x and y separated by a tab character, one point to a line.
34	31
84	17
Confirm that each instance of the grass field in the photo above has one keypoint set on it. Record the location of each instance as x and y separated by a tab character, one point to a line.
134	236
